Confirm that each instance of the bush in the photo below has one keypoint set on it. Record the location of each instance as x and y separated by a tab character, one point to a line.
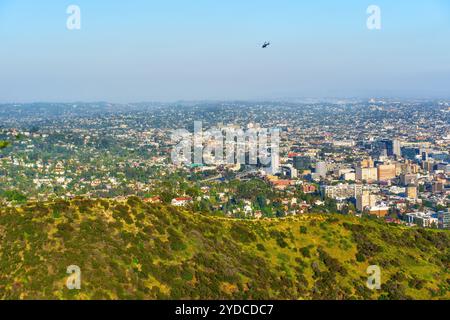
360	257
305	252
242	234
260	247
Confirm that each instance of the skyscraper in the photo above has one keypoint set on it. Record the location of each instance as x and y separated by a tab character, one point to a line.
396	148
437	187
393	147
386	172
411	192
321	169
302	162
365	200
366	174
275	163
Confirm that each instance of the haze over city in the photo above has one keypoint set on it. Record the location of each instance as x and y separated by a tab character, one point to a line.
172	50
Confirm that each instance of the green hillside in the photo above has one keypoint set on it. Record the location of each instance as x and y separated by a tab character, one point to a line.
131	250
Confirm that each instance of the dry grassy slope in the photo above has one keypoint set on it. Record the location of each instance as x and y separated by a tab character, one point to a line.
132	250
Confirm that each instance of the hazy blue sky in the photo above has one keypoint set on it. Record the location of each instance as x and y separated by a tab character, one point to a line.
142	50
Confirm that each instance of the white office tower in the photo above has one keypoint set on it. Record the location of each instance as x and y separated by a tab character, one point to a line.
397	148
321	169
274	163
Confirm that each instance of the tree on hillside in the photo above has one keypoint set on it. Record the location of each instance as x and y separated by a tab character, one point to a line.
4	144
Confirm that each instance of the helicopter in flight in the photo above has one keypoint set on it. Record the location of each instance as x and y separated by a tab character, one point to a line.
265	45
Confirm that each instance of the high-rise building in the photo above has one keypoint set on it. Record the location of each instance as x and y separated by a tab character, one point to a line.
386	172
408	178
427	166
321	169
396	148
409	167
275	163
366	163
411	192
365	200
393	148
294	173
437	187
302	162
390	148
290	171
446	219
366	174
